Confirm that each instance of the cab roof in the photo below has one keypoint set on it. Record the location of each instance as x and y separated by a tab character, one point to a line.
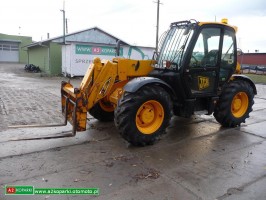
223	22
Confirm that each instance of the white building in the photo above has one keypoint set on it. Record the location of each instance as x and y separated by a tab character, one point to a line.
83	46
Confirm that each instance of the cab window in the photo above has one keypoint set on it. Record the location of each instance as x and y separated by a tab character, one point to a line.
228	55
206	49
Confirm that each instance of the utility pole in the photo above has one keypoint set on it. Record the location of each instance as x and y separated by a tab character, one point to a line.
64	23
157	26
66	26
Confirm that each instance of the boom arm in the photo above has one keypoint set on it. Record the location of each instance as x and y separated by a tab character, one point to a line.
103	80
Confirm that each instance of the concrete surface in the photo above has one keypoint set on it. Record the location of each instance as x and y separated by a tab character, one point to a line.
197	159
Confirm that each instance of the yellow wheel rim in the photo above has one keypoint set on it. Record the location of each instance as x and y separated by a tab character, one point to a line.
149	117
239	104
106	106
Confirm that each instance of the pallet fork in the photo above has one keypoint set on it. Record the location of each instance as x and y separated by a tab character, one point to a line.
69	108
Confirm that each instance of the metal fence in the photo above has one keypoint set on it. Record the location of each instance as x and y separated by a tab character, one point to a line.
253	69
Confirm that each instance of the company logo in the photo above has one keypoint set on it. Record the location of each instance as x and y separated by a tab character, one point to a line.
203	82
19	190
10	190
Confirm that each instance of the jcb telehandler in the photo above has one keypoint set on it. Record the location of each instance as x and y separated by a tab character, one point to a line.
192	71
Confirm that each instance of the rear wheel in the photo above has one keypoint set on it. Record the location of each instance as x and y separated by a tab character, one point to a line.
235	104
103	111
143	116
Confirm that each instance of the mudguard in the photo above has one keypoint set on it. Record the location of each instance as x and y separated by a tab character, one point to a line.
136	83
247	79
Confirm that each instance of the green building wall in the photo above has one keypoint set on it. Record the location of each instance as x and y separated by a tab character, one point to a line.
48	57
39	56
55	59
24	40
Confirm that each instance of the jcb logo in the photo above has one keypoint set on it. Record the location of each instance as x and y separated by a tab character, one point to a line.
203	82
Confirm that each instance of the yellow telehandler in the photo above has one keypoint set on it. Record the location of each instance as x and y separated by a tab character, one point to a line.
195	69
192	71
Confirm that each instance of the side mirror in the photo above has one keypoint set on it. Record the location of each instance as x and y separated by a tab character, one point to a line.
155	55
239	52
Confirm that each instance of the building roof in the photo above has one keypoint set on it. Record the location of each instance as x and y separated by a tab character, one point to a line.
87	35
10	40
254	54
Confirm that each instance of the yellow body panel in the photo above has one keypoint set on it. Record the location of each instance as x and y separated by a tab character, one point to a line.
133	68
238	68
102	84
116	91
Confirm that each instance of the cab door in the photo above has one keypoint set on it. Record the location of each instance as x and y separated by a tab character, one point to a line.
202	72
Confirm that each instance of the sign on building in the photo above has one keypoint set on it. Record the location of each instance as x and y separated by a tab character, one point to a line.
77	57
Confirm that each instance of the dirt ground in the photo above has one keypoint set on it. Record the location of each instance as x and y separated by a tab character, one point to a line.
196	159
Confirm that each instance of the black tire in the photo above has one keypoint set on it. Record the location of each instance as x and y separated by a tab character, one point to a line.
224	111
126	114
100	114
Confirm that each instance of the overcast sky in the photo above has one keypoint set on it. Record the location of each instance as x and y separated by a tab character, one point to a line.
134	21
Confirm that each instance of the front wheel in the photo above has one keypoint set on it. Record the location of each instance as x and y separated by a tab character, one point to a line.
235	104
143	116
103	111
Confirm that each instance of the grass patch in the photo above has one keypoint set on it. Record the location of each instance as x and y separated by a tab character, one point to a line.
257	78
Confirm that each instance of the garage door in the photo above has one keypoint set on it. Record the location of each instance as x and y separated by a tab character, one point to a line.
9	52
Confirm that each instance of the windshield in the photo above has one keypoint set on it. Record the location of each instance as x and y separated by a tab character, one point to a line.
173	44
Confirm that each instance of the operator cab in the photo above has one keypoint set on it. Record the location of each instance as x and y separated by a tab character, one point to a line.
202	55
